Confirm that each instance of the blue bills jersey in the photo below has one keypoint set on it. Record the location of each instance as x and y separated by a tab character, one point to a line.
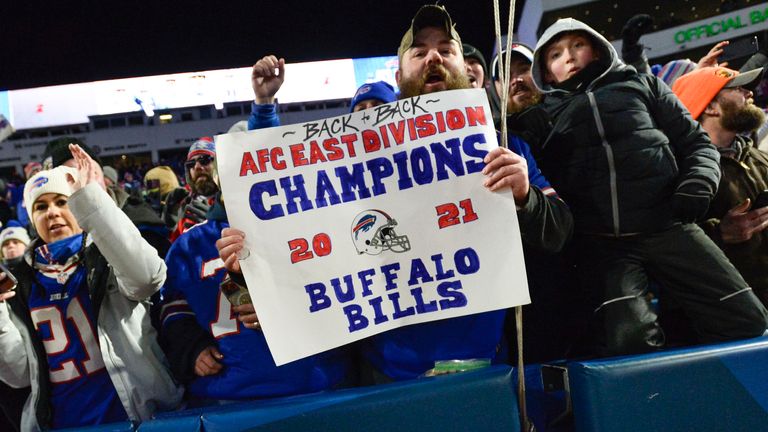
192	290
82	392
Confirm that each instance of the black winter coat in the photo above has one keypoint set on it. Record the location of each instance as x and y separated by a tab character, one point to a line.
620	148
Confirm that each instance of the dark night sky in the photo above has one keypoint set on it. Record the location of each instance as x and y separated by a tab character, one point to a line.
48	43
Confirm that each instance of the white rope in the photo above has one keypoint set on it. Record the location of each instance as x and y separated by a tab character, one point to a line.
502	72
521	402
504	76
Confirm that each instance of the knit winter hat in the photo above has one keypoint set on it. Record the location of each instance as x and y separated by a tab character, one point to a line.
49	181
697	89
58	151
673	70
474	53
379	90
14	233
204	145
110	173
161	180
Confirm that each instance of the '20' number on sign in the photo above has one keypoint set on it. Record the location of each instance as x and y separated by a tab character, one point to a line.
450	214
321	246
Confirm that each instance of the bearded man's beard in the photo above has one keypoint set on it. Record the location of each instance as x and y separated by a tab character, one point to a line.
747	118
410	87
532	98
204	185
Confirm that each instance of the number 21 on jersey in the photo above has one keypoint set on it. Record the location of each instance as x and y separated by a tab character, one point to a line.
58	341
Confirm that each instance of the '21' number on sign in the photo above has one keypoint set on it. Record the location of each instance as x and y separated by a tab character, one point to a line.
321	246
449	213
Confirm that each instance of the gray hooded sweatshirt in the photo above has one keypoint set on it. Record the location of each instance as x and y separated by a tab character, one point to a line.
563	25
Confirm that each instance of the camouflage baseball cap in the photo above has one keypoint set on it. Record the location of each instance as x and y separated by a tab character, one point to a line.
428	16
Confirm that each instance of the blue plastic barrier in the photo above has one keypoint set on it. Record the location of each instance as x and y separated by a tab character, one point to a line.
708	388
720	387
482	400
125	426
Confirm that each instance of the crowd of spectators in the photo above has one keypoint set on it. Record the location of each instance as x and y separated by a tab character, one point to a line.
640	206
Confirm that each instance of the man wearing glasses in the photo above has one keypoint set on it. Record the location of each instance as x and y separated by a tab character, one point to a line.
200	173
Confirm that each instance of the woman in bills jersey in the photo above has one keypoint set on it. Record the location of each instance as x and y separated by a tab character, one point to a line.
75	323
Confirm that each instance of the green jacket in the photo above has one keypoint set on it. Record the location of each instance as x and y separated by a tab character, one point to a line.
745	174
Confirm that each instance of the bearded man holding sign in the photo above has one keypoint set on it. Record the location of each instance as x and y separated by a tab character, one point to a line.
417	299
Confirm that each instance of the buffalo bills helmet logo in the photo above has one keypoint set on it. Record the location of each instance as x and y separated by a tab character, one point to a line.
363	90
373	232
39	182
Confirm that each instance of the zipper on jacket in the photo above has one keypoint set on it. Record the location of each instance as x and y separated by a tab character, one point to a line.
611	163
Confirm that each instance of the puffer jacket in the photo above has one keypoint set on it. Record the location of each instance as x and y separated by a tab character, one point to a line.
122	272
745	175
621	145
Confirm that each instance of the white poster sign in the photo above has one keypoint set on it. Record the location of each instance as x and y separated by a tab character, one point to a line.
371	221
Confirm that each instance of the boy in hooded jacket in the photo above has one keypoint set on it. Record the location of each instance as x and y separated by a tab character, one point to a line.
637	172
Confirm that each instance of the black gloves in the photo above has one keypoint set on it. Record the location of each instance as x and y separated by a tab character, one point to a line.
631	51
195	211
689	204
635	27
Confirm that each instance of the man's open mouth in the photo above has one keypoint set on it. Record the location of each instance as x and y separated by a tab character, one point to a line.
434	78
